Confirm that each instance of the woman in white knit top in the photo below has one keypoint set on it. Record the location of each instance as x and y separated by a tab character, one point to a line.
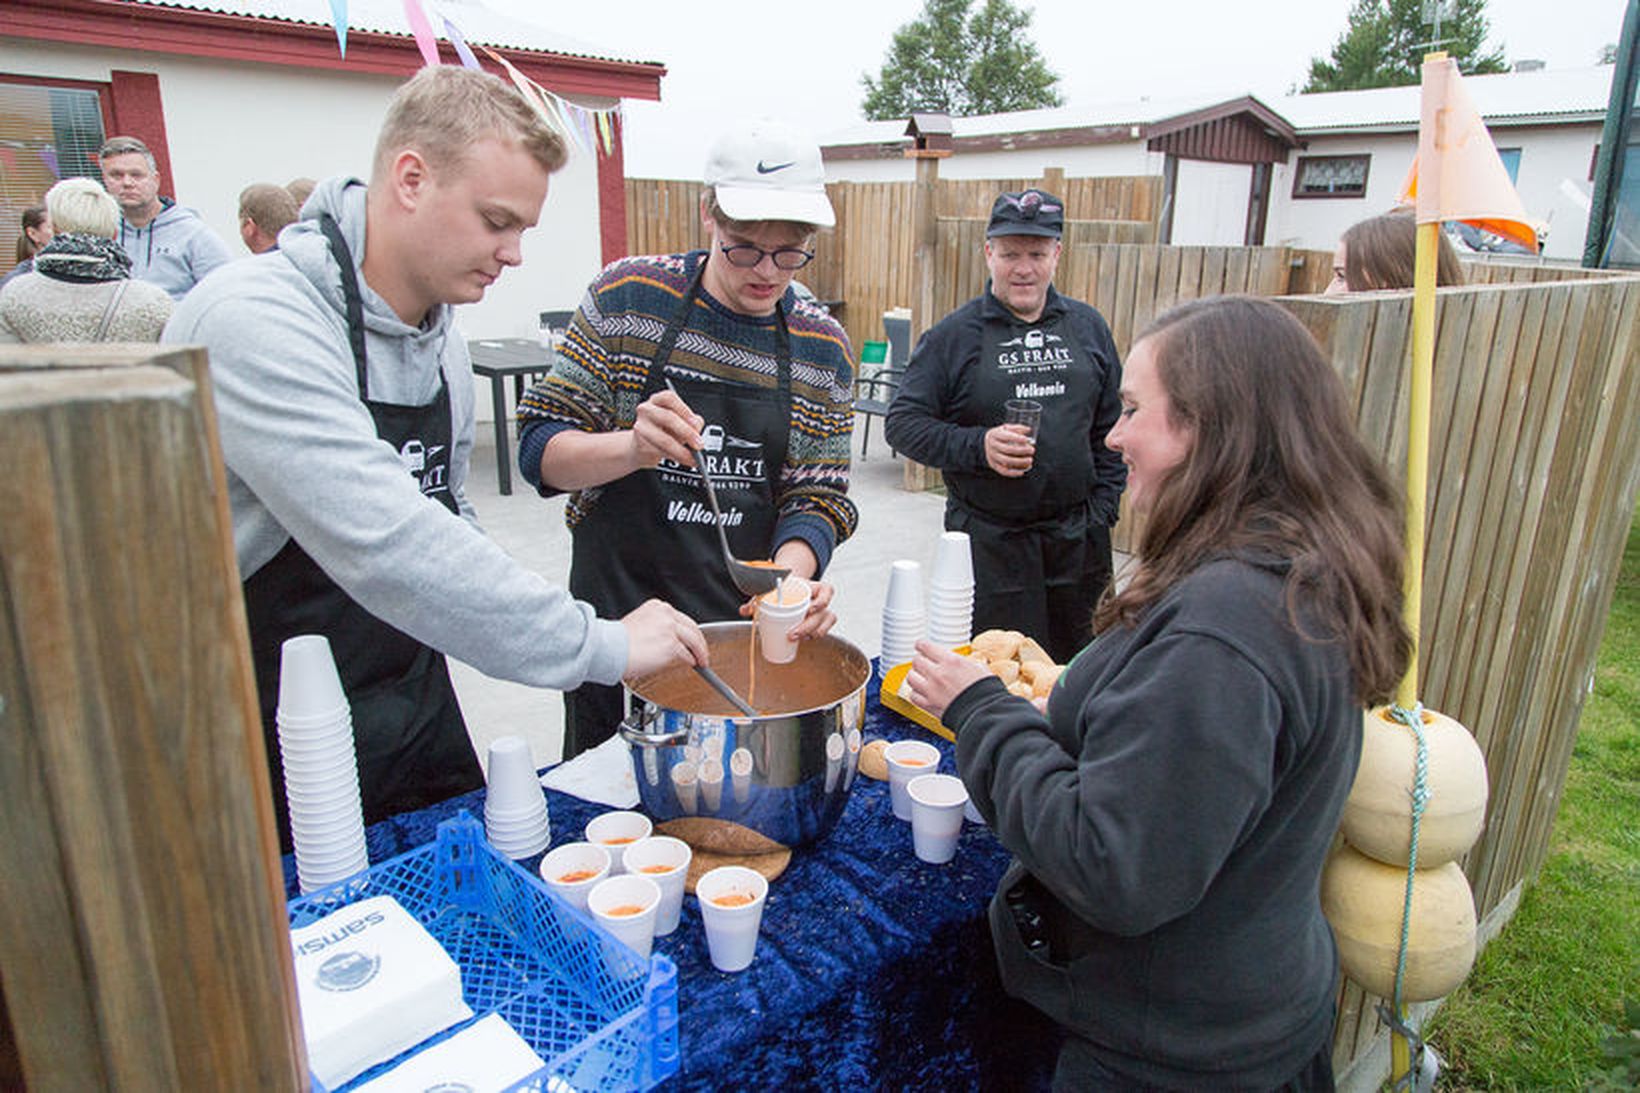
80	289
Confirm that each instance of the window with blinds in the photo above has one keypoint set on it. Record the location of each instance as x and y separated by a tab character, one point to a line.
46	134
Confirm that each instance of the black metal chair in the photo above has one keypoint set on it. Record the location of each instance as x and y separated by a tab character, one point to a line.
556	322
874	402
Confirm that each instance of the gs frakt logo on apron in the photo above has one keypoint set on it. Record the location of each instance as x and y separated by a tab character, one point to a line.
429	465
1035	350
736	466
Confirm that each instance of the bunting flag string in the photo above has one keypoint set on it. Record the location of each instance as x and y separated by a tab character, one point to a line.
338	17
426	40
463	50
592	131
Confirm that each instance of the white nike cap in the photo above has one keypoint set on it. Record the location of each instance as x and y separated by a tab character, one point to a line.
768	171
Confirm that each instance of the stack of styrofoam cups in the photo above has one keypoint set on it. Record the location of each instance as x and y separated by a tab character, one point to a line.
951	591
321	771
515	808
903	616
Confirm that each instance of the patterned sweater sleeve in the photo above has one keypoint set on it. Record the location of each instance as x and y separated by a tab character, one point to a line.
582	390
813	497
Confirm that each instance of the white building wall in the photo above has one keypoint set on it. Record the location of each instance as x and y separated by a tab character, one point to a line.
1317	222
1554	166
1554	181
229	124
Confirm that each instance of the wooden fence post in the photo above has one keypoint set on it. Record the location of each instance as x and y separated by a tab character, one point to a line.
925	263
143	937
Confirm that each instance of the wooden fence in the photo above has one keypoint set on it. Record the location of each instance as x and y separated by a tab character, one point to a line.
1534	467
866	261
1534	470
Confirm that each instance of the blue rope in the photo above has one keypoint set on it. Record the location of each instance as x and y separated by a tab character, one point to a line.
1412	719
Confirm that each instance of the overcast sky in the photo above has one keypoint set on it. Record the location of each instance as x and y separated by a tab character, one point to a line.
729	59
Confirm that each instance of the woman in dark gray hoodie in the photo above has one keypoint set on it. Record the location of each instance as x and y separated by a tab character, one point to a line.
1171	810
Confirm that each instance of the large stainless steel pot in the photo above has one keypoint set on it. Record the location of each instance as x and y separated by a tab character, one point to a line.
784	774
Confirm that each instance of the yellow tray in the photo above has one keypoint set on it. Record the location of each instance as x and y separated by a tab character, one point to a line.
889	696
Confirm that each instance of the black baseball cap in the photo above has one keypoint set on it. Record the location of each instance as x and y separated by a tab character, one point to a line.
1034	212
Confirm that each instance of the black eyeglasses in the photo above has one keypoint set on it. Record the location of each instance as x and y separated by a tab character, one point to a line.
747	255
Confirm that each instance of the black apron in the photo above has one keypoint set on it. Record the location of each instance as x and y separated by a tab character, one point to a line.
411	741
1041	552
649	534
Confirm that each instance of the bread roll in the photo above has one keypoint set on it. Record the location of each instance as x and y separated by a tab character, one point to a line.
997	644
1005	670
873	763
1030	650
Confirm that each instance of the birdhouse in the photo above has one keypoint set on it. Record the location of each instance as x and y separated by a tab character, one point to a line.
930	133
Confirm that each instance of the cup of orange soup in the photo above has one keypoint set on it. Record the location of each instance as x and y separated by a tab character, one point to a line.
625	906
907	759
572	869
664	860
615	831
731	908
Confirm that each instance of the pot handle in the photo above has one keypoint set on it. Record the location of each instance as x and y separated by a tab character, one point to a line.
632	732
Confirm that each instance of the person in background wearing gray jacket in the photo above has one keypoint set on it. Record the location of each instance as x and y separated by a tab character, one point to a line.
345	400
169	245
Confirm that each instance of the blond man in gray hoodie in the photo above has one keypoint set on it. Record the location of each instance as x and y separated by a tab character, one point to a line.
346	406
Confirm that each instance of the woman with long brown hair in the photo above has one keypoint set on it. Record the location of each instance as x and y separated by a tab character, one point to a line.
1170	811
1379	253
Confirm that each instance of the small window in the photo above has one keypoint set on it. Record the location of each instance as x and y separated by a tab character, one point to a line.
1331	176
47	133
1511	163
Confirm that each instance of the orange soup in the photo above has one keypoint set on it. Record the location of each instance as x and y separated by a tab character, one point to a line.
625	910
733	899
660	868
621	840
578	876
912	762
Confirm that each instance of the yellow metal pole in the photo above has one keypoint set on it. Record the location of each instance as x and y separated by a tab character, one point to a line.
1423	368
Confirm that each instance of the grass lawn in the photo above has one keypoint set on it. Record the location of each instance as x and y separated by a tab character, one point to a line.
1551	987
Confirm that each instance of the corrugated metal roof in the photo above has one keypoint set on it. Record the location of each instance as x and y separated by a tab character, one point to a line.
1517	97
476	22
1127	112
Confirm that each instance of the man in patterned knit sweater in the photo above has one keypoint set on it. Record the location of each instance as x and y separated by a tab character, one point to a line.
763	395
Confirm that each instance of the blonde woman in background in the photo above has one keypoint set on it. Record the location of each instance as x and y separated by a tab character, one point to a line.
80	289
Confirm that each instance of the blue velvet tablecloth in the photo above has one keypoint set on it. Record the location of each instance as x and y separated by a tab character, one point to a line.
874	970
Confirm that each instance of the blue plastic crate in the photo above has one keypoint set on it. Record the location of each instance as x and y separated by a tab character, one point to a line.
601	1017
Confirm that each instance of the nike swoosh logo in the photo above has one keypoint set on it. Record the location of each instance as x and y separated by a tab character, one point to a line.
765	169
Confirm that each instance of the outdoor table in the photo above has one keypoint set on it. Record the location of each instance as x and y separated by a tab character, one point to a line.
499	358
874	970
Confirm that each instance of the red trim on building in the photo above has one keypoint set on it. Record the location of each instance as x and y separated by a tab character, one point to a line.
121	25
135	110
612	198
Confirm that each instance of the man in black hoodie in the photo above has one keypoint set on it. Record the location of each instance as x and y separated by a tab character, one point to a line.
1037	510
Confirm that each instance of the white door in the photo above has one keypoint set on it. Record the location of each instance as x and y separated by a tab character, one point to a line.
1210	203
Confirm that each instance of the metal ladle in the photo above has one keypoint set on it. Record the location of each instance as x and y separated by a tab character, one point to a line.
752	580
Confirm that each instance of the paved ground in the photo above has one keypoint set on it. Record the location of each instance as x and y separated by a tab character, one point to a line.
893	524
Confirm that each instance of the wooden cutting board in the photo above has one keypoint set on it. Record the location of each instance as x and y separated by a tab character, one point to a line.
703	861
719	842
